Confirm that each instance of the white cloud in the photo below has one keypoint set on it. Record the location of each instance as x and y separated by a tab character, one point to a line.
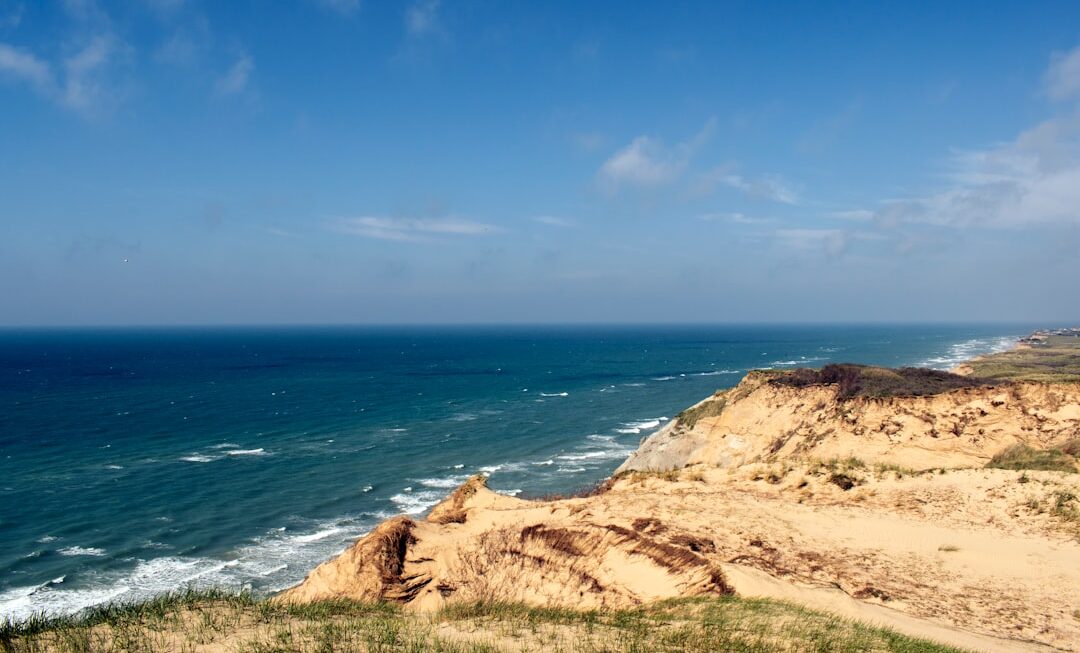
24	66
554	221
1032	180
411	229
648	162
769	187
1062	79
422	18
235	80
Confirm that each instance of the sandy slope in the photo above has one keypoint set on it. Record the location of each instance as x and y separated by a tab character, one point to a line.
985	559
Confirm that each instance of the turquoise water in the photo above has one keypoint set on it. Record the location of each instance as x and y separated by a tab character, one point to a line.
138	461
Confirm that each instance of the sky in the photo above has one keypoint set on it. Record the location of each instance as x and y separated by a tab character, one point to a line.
181	162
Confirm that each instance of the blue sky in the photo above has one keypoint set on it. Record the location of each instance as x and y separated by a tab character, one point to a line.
352	161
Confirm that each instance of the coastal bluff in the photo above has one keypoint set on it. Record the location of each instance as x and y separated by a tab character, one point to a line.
939	505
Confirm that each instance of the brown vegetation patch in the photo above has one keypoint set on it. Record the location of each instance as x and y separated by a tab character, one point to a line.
868	381
649	525
559	539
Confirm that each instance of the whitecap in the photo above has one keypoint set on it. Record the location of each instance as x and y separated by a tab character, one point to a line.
554	394
315	537
445	483
248	452
82	551
664	378
416	502
199	458
225	445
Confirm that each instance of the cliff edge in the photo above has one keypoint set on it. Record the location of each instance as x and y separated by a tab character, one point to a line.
861	491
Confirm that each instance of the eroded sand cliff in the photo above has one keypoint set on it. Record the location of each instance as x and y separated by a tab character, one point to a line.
876	508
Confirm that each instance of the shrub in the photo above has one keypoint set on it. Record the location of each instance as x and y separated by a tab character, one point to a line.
868	381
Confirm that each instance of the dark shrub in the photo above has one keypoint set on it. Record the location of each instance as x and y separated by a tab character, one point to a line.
868	381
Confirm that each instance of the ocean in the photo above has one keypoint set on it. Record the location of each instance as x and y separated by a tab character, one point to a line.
136	461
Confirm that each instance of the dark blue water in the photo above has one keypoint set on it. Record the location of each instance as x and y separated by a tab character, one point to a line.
133	462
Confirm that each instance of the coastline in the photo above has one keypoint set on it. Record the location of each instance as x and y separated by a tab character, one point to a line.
716	459
736	579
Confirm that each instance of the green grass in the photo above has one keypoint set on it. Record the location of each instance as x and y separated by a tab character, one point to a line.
1057	360
709	408
1023	457
191	621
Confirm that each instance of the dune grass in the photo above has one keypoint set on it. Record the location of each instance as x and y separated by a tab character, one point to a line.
1023	457
1056	360
215	621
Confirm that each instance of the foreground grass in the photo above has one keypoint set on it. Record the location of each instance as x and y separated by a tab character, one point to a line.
213	621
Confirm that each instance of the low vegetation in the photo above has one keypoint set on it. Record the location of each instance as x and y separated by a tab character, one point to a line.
1022	457
1053	360
211	621
867	381
711	407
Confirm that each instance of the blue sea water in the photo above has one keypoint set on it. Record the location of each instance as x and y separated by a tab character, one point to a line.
138	461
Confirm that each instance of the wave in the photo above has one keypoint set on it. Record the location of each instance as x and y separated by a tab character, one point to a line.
82	551
199	458
248	452
414	503
554	394
968	349
447	482
717	372
629	428
270	563
801	360
315	537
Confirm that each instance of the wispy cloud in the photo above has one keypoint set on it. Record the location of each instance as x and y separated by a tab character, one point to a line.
236	79
1062	79
11	14
554	221
735	218
769	187
23	66
647	161
343	7
832	242
79	82
422	19
411	229
84	86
